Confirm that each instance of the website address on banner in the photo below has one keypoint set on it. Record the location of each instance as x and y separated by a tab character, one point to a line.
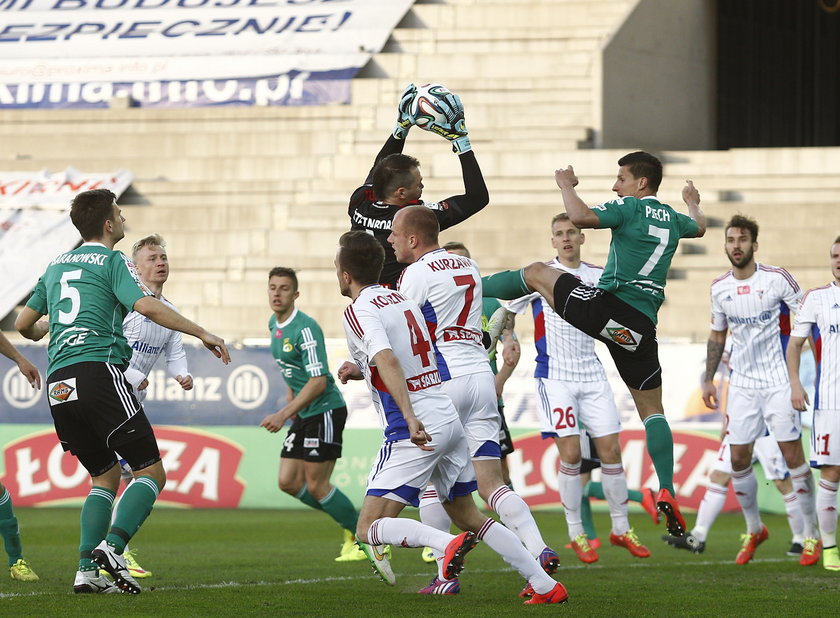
279	90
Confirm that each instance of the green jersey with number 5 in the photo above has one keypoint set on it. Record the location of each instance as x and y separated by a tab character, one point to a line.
87	292
645	234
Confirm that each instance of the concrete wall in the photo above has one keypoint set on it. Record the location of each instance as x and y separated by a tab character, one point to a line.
658	78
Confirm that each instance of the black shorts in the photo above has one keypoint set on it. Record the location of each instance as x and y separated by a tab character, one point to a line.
505	441
96	416
588	453
629	334
316	438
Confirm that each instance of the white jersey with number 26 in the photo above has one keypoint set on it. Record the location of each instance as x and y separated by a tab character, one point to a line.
448	289
380	319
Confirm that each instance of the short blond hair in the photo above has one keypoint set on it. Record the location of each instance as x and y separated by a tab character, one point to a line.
147	241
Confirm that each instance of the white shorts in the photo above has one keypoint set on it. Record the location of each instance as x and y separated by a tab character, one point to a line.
474	396
765	450
564	406
748	410
825	438
402	470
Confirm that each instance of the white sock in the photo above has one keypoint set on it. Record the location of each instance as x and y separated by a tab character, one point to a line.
433	514
827	512
796	520
406	532
571	493
516	515
504	542
710	508
614	483
746	490
803	485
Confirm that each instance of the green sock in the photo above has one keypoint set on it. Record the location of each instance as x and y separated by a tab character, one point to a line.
505	285
635	495
308	499
134	507
594	489
586	519
660	446
94	520
9	529
339	507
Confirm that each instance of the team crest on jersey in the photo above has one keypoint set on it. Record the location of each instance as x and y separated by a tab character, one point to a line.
287	345
63	391
623	336
743	289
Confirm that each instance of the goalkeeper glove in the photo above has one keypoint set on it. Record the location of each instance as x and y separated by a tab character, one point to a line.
404	117
455	129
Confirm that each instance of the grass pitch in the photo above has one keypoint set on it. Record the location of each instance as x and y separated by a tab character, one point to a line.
280	563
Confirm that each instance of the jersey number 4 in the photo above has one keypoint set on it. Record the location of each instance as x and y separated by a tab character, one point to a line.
420	346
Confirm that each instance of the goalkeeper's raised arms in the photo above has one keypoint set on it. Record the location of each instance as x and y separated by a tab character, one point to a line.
404	116
455	128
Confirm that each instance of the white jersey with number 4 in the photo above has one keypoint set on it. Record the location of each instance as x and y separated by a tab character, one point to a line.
148	340
756	311
563	352
819	315
380	319
448	289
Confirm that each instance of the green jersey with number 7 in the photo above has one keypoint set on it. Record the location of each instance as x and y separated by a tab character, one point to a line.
645	233
87	292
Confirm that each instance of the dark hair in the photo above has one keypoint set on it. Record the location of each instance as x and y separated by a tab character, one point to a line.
282	271
454	245
90	210
362	256
391	173
643	165
422	222
836	240
744	222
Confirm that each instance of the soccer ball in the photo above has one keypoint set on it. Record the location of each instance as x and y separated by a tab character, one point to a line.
425	108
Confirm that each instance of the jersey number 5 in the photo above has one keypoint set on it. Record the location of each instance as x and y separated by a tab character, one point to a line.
420	346
71	293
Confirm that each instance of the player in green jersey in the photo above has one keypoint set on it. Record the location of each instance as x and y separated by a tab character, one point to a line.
19	568
315	406
87	292
622	310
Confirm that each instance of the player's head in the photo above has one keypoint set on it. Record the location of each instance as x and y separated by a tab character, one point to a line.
359	260
414	231
834	252
458	248
396	179
639	174
149	255
566	239
96	215
741	240
282	290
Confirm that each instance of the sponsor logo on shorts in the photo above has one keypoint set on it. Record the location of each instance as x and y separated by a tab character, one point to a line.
623	336
63	391
311	443
314	453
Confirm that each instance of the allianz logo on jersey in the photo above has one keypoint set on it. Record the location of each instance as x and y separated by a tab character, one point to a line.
761	318
246	387
17	390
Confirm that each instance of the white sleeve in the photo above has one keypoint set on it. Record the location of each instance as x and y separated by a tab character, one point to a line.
413	285
805	316
718	316
176	357
520	305
790	292
134	377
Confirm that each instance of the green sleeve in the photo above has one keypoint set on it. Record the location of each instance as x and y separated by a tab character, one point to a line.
125	281
314	350
610	214
38	300
688	226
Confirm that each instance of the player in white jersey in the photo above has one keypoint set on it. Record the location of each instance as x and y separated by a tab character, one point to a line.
424	442
448	289
753	301
148	342
819	317
573	391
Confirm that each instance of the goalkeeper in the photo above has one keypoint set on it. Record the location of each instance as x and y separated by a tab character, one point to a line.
395	180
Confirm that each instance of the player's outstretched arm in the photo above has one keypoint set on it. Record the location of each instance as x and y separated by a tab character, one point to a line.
26	368
579	213
396	141
392	375
159	313
691	197
798	396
